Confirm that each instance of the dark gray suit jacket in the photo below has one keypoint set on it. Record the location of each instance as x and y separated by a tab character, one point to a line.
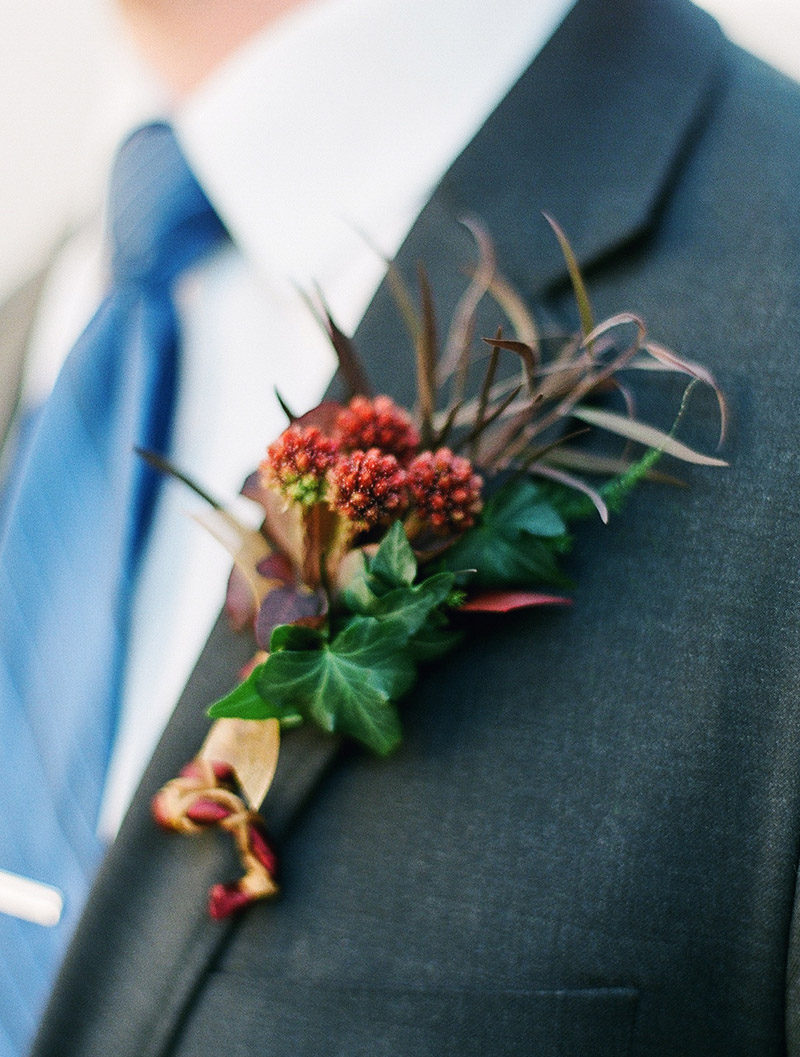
588	843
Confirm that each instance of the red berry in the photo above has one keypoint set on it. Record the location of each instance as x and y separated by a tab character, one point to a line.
297	463
368	487
445	490
377	423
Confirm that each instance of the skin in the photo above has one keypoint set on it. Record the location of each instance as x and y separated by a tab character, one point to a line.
184	41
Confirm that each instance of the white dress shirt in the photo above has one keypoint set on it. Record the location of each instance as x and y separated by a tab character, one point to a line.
340	119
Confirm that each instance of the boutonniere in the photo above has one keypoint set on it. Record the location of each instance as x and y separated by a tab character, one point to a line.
386	529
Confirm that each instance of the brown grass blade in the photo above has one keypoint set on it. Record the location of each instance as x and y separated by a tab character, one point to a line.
590	380
492	417
483	400
401	295
536	454
643	434
578	286
604	465
568	479
525	353
618	320
292	417
447	425
426	348
163	465
671	361
350	365
517	312
459	338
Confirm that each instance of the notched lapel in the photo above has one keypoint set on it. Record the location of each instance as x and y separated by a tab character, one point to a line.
590	134
592	141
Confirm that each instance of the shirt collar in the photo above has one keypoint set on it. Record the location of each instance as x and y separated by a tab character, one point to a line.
343	116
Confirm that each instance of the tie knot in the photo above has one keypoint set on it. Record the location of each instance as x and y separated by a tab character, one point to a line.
160	219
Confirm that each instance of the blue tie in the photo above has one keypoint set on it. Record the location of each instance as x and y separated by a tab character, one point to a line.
78	515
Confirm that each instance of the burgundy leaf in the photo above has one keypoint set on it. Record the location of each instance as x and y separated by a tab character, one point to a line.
323	416
262	849
282	522
276	566
254	488
240	604
286	605
506	601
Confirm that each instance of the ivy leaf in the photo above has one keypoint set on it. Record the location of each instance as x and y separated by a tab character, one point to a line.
406	609
515	542
501	559
246	702
393	567
434	640
348	685
295	637
521	506
363	591
394	562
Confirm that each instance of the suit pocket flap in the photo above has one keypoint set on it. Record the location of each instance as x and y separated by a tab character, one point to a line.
237	1016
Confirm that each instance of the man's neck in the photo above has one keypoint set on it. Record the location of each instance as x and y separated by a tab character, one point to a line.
183	41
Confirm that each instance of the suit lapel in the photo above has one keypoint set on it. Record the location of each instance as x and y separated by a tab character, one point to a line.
609	105
592	134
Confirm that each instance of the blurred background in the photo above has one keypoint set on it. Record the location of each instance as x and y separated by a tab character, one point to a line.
68	87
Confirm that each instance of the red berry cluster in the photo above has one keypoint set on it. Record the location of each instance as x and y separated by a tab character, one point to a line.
377	423
298	463
369	471
445	490
369	487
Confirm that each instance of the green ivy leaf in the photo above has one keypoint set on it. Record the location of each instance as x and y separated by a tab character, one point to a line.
295	637
393	568
394	562
382	587
246	702
434	640
521	507
515	542
348	685
406	609
362	591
